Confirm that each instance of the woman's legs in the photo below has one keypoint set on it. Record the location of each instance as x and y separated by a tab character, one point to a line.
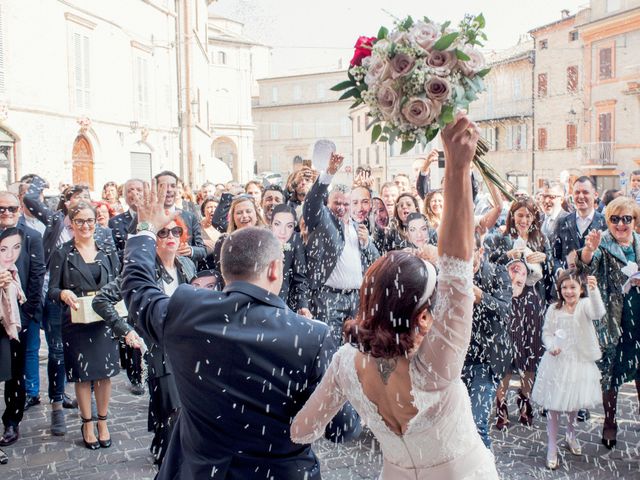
502	411
610	429
102	391
83	395
553	420
524	404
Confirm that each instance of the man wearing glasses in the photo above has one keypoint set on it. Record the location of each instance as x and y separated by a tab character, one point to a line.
552	198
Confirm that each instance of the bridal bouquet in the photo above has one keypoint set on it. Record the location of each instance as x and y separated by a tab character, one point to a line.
416	77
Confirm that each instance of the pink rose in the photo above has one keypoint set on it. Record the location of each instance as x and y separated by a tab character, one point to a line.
442	62
401	64
437	89
472	66
378	70
421	112
388	100
425	34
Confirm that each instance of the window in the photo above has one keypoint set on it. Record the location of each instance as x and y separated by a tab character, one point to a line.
605	133
81	70
141	85
296	130
297	92
367	157
274	163
517	87
321	91
274	94
489	134
572	78
605	64
377	154
573	36
543	44
613	5
517	137
542	139
222	58
520	180
542	84
358	122
572	135
359	156
274	131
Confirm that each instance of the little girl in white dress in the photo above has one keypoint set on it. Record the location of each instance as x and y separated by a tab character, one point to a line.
568	378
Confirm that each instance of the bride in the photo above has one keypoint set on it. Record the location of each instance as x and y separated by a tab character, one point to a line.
408	389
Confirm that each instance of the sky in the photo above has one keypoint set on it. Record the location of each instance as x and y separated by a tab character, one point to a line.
314	35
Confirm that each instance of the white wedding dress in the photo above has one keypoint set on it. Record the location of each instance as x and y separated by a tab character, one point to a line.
440	441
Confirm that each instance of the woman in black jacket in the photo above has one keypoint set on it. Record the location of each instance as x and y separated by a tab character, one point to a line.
295	287
79	268
171	271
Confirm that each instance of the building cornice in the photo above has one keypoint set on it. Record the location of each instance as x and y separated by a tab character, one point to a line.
612	25
71	17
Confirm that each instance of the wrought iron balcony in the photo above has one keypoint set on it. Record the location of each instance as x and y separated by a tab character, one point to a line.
599	153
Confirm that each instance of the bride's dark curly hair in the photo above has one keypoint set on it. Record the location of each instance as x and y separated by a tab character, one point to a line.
390	305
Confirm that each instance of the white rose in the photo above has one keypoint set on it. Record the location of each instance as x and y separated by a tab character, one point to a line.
378	70
388	100
475	63
425	34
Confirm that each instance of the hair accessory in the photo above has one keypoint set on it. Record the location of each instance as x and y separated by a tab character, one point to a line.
431	283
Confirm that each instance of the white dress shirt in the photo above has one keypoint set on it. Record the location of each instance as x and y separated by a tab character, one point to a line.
583	223
347	274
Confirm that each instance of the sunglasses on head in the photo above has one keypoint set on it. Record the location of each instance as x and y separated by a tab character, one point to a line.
626	219
9	209
79	222
175	231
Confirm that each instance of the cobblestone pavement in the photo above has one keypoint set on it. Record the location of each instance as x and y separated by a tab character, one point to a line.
520	452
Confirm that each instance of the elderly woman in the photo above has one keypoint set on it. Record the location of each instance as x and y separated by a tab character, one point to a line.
79	268
171	270
111	197
610	256
523	239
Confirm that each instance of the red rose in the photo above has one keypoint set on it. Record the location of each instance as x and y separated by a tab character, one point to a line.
363	50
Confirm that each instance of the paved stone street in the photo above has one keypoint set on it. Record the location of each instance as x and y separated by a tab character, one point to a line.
520	452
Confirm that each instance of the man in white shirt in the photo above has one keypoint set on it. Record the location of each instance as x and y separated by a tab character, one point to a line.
339	250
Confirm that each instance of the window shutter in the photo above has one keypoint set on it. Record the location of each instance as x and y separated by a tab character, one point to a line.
605	64
572	79
523	141
509	137
86	74
77	69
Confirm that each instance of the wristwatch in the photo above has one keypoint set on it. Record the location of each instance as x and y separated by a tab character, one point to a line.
146	226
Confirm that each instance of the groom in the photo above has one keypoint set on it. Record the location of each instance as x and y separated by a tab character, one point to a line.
244	363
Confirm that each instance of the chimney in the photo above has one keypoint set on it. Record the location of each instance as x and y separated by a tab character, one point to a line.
564	13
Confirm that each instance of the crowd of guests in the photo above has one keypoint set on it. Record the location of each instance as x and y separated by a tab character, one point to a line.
555	301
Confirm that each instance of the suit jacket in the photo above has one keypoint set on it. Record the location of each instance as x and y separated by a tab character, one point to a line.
295	286
567	238
326	237
549	229
31	270
244	365
54	220
119	226
490	334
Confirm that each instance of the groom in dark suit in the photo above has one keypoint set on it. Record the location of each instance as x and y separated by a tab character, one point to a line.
244	363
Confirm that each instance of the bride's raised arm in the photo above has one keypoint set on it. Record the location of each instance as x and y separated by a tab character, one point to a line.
441	355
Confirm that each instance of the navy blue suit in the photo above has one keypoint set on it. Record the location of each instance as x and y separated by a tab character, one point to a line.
244	365
567	238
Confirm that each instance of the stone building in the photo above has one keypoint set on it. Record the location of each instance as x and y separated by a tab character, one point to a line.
292	112
107	94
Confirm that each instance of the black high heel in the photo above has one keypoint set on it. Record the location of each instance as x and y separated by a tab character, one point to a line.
90	446
103	443
609	436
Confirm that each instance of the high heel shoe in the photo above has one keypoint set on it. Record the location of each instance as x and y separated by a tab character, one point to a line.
552	463
92	445
103	443
4	459
609	436
573	445
502	414
526	410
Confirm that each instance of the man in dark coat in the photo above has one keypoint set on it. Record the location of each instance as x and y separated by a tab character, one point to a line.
31	270
489	353
123	224
243	362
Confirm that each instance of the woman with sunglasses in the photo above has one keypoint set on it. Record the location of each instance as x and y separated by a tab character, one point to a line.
605	255
79	268
172	270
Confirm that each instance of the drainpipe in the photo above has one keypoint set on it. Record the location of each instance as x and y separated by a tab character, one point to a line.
179	86
186	39
533	119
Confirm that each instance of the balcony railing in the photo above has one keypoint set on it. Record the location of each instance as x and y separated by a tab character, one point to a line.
599	153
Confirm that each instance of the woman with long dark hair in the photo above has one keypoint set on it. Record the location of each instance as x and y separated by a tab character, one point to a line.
401	367
523	240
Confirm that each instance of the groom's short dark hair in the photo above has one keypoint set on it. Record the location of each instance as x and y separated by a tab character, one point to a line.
247	252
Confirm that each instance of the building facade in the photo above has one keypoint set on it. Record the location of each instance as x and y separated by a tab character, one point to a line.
292	112
105	96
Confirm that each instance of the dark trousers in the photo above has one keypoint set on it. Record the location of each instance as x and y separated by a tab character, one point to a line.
14	388
131	361
52	324
333	307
